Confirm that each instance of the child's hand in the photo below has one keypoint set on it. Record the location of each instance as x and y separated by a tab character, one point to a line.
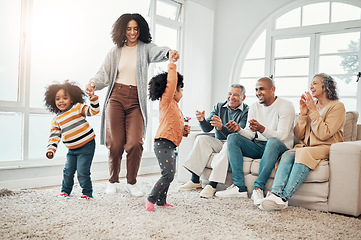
49	155
186	130
90	89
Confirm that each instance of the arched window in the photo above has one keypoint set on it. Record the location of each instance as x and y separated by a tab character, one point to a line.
300	40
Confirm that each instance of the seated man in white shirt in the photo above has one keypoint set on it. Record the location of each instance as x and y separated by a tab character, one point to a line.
267	135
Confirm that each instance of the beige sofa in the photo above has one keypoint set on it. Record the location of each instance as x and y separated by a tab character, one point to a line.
334	186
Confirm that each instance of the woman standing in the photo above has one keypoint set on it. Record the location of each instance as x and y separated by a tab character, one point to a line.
125	73
319	125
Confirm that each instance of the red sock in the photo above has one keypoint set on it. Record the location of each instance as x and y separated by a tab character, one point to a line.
149	206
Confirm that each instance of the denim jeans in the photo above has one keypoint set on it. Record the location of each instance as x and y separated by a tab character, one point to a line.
289	176
239	147
80	160
273	150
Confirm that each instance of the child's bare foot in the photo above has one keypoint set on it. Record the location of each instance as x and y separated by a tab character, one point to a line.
149	206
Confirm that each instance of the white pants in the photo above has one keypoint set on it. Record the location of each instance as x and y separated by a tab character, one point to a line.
198	158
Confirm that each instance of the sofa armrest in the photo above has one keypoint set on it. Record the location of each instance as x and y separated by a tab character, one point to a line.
345	178
183	150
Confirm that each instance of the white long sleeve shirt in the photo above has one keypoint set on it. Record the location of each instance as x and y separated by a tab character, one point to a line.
278	120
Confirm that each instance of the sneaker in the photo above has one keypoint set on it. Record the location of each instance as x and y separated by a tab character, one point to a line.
261	208
110	188
257	196
63	195
190	186
273	202
84	197
134	190
232	191
208	192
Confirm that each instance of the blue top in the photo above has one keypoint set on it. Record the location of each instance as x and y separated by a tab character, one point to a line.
222	110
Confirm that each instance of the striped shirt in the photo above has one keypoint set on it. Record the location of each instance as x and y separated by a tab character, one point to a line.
72	126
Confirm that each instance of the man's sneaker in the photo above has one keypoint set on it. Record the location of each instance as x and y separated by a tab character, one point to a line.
273	202
134	190
232	191
84	197
190	186
257	196
110	188
63	195
207	192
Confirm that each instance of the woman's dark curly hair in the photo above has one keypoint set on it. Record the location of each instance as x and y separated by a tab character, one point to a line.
76	94
328	86
158	84
120	26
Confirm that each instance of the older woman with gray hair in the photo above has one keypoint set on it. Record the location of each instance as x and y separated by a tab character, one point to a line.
320	124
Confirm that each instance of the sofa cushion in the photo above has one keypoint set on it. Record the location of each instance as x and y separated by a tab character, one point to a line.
350	129
247	162
320	174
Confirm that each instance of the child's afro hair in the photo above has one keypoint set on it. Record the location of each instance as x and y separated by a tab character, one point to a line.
76	94
158	84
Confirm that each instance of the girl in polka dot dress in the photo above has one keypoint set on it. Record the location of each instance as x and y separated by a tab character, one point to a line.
168	88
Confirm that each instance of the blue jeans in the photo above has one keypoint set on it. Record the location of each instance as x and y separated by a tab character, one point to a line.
80	160
273	150
239	146
289	176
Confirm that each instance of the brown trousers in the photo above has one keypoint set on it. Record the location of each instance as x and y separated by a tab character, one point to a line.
124	131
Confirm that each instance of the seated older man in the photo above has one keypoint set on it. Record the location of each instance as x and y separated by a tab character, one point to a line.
234	109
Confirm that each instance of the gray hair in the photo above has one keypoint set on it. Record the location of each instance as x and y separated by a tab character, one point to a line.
328	86
236	85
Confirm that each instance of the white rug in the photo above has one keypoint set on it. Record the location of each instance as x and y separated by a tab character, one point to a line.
40	214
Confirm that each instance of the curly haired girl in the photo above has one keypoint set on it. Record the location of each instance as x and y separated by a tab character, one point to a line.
67	101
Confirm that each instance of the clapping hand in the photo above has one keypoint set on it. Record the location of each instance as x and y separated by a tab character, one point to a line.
255	126
233	126
216	122
307	104
200	116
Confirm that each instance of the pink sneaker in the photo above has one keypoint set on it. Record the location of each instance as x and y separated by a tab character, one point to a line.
63	195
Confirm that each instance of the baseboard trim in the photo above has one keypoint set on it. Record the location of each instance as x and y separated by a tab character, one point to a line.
28	177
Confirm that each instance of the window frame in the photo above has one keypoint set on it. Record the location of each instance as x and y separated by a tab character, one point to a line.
315	31
22	105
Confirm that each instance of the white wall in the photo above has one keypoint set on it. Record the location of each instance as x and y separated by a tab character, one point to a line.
197	58
235	21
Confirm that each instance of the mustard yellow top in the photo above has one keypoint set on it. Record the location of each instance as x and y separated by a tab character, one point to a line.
317	133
